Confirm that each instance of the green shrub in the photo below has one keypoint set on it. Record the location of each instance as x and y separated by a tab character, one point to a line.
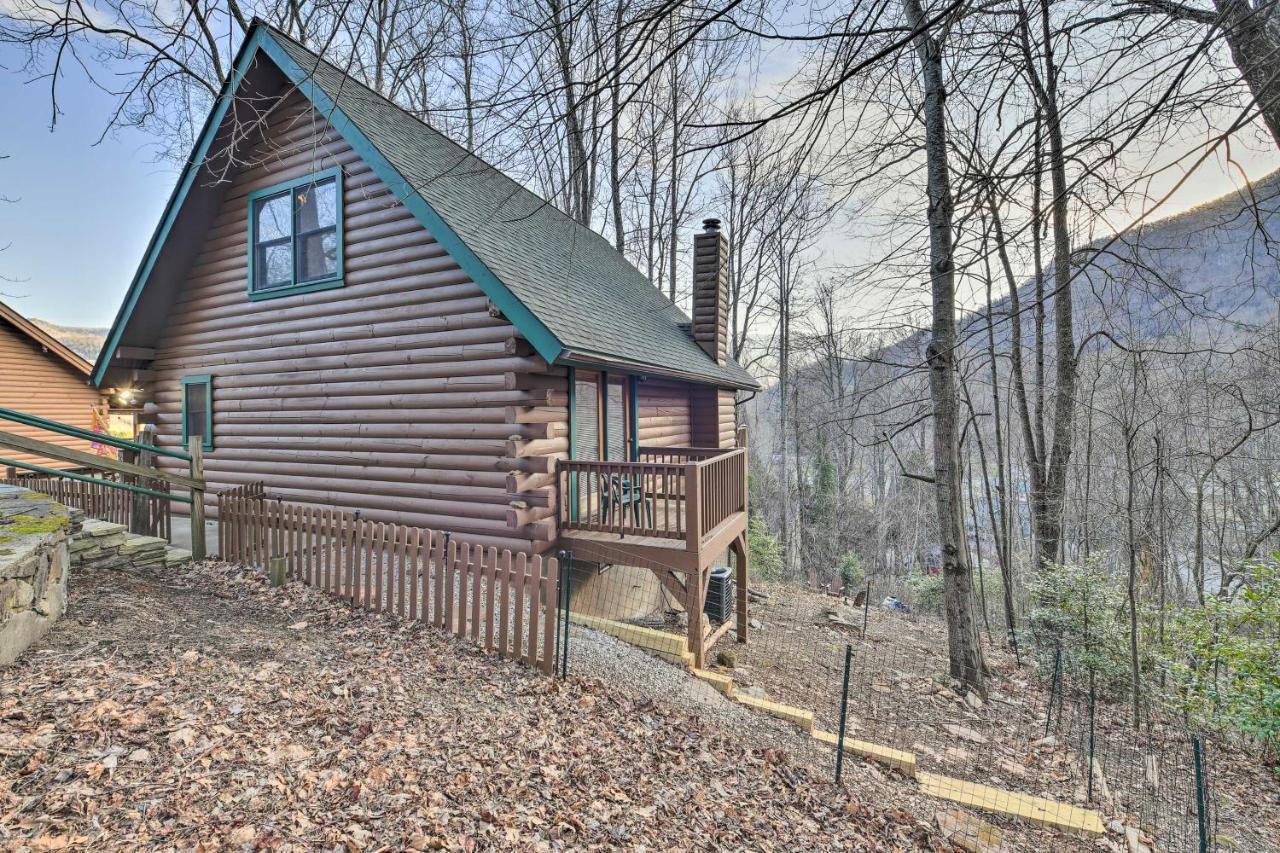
852	575
927	592
1222	660
762	547
1082	612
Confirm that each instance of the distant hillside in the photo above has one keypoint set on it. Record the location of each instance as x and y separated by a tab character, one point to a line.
1206	273
84	341
1207	269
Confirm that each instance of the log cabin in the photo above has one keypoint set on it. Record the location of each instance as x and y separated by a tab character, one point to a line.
40	375
342	302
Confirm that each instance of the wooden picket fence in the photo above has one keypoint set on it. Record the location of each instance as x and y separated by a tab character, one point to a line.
508	603
145	514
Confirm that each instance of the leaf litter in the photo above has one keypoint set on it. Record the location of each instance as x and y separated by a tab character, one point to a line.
206	711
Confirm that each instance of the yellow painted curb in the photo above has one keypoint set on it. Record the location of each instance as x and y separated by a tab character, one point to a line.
895	758
799	716
718	680
1036	810
645	638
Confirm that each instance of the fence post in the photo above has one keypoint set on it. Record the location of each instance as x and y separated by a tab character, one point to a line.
866	608
1053	689
140	508
1093	700
1202	799
567	562
196	448
844	711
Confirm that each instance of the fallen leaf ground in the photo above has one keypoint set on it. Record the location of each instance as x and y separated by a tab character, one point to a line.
204	711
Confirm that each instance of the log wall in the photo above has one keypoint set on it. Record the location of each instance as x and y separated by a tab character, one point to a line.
40	383
663	419
403	394
713	417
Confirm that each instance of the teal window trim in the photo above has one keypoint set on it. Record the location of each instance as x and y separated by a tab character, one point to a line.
602	393
207	382
259	42
573	441
535	331
297	287
633	398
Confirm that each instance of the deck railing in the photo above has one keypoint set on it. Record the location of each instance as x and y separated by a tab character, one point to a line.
676	493
722	488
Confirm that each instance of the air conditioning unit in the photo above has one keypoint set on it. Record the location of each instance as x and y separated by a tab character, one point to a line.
720	594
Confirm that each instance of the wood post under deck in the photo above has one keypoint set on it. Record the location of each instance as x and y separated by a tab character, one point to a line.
674	512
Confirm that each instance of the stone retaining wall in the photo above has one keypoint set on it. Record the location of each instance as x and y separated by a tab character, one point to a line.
107	545
35	533
43	542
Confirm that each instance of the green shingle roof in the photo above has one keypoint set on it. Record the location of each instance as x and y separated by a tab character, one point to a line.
585	293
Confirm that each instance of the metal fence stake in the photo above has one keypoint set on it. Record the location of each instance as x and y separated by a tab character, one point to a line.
1053	690
1092	729
1202	805
844	711
866	607
568	584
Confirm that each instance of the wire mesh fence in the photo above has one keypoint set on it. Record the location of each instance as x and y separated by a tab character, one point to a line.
865	668
869	670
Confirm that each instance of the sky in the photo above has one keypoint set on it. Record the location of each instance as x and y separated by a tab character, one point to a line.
84	210
82	213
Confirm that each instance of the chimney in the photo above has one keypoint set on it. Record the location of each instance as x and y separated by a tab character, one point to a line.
711	291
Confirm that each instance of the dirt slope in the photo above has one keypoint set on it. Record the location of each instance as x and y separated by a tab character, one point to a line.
211	713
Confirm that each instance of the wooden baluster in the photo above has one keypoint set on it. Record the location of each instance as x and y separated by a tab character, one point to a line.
504	610
550	599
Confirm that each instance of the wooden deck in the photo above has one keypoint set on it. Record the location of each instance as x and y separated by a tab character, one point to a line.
674	511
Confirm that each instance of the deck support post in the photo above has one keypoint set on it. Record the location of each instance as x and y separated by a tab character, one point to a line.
741	560
693	605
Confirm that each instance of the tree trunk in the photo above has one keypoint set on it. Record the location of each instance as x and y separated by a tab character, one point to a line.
962	632
1250	31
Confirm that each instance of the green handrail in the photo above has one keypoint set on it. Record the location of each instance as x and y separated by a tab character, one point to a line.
88	435
130	487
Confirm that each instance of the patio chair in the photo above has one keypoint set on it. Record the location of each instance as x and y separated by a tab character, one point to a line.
627	493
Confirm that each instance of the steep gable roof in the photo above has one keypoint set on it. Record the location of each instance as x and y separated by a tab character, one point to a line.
564	286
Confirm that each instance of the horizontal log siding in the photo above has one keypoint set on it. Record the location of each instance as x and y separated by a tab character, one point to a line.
663	419
714	417
387	396
40	383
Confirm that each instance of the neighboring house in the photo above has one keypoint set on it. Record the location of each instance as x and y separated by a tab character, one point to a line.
40	375
341	302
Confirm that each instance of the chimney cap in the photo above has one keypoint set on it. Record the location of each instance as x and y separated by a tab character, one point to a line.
711	225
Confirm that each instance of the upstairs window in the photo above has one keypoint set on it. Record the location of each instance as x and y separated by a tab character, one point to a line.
295	236
197	410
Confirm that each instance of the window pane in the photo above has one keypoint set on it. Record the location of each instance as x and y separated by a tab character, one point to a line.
197	408
586	422
274	266
274	221
318	256
317	206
